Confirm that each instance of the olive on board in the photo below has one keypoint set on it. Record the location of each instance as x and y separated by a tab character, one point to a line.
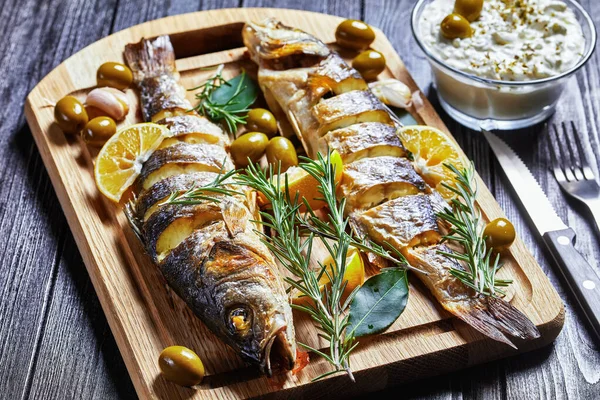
115	75
70	115
354	34
470	9
98	131
281	150
456	26
261	120
181	365
251	145
500	234
369	63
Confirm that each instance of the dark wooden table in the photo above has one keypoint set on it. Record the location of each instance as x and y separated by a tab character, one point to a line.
54	339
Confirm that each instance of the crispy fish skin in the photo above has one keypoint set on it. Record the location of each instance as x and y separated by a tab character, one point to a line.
162	189
371	181
207	157
368	139
405	221
209	252
348	109
375	179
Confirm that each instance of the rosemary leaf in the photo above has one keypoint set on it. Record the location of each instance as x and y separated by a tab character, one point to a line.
466	228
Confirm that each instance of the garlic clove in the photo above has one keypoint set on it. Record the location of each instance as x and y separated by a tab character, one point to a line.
392	92
110	101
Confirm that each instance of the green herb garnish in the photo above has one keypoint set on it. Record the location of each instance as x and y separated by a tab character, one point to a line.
378	303
227	101
199	194
466	229
292	246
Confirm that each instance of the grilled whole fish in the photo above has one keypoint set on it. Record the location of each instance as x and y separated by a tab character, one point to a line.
330	107
208	252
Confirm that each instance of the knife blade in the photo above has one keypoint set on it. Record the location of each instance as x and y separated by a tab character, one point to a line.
528	190
558	237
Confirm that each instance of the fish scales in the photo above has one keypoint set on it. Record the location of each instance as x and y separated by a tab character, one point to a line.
209	252
330	108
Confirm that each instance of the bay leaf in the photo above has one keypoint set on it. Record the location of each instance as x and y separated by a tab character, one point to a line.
248	91
378	303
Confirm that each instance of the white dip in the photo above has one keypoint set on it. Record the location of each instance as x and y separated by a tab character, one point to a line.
513	40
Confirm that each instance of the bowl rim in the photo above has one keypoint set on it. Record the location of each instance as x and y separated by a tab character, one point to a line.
496	82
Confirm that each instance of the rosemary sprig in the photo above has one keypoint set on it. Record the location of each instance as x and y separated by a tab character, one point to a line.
223	111
331	229
293	251
292	245
466	229
199	194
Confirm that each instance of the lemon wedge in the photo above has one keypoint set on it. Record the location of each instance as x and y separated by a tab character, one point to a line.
431	149
121	158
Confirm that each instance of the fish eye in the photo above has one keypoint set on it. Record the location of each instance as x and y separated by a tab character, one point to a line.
240	320
329	94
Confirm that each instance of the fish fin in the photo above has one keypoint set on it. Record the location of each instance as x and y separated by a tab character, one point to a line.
235	216
512	320
150	58
495	318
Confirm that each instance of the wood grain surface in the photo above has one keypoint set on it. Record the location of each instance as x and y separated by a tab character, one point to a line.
55	341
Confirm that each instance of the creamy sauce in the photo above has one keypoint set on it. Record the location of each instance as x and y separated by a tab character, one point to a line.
513	40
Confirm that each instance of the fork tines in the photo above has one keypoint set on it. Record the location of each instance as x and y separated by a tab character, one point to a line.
569	162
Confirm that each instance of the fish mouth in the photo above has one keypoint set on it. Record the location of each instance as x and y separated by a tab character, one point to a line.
278	352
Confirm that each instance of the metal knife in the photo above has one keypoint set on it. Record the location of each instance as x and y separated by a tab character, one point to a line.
559	238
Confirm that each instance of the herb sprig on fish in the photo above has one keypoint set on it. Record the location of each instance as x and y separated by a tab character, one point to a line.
293	251
292	245
228	101
197	194
465	220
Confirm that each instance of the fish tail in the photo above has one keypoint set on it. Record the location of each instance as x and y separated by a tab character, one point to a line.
495	318
152	62
150	58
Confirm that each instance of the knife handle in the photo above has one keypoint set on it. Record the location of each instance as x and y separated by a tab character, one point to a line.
578	273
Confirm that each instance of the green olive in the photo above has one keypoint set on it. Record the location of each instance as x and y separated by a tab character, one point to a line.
369	63
98	131
354	34
181	365
70	115
281	150
115	75
456	26
251	145
261	120
470	9
500	234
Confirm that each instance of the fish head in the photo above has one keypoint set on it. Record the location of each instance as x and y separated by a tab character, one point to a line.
255	314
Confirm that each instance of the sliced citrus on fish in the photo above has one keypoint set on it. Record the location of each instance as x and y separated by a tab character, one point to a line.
431	149
121	158
305	185
354	275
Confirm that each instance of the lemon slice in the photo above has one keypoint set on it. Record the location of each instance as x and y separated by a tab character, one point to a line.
431	149
354	275
121	158
301	182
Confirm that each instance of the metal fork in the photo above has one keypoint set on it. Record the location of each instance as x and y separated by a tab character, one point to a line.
572	170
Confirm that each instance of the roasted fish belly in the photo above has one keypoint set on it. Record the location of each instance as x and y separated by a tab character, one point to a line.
209	252
330	107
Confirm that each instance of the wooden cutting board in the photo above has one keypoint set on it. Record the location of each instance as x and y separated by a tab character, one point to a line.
145	315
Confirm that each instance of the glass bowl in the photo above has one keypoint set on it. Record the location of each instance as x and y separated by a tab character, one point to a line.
478	102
